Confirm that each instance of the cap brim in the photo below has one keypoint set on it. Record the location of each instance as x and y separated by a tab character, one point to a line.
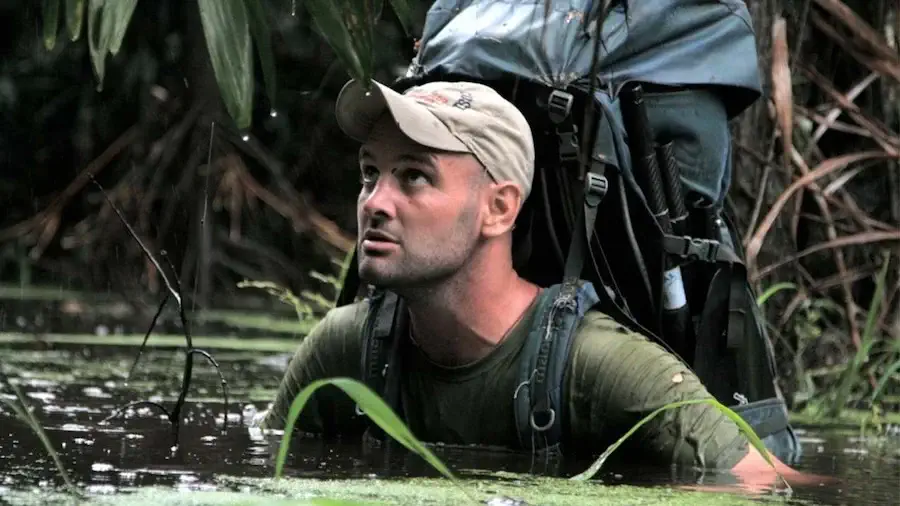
357	110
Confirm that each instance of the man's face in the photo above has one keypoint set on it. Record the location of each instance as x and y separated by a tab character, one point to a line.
418	212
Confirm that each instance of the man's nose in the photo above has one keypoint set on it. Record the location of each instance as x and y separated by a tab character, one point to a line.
380	201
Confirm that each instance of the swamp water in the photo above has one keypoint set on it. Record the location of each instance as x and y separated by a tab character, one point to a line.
73	380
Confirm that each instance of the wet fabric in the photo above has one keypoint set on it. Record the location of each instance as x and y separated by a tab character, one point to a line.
614	378
704	48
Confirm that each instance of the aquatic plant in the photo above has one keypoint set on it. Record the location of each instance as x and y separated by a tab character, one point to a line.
174	290
20	409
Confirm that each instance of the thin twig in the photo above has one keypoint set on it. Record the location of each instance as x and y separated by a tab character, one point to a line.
221	379
826	167
147	336
887	140
175	289
48	220
863	238
130	405
838	253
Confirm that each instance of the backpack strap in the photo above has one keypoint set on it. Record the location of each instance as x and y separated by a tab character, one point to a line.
386	319
539	396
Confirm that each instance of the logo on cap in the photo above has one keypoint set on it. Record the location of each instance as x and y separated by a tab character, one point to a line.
464	102
432	97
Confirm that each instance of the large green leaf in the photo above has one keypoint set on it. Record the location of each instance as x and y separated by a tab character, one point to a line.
50	12
116	17
107	22
347	27
262	37
97	43
404	14
74	18
227	33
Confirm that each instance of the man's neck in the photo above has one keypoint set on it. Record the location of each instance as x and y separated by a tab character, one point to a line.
465	318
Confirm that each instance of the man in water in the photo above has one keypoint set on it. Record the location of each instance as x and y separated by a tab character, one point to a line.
445	169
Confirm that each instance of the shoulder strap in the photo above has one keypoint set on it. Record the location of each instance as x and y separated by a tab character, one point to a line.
386	319
539	394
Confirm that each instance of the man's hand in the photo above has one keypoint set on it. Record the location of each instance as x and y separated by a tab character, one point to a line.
756	476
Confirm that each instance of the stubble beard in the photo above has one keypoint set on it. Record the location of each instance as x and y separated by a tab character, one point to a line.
427	266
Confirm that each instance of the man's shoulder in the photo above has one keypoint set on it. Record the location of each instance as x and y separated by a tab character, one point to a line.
352	313
600	337
346	320
598	325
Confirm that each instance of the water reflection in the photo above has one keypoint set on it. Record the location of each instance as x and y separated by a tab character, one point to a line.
73	388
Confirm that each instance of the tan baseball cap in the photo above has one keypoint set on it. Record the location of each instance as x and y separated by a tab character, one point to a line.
448	116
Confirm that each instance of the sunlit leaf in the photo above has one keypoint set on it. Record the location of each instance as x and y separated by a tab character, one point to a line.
227	32
50	13
107	23
74	18
772	290
116	17
375	408
98	41
262	37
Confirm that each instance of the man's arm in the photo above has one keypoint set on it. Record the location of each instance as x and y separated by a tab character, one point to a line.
331	349
618	377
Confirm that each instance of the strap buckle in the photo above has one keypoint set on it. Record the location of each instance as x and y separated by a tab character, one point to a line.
568	145
559	105
692	248
595	187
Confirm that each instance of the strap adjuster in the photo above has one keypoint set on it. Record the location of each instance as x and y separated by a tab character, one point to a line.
559	105
692	248
595	187
568	146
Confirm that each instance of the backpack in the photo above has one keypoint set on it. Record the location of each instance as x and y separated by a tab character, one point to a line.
625	215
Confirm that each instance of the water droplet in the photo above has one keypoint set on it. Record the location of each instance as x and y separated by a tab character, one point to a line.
273	113
293	7
245	138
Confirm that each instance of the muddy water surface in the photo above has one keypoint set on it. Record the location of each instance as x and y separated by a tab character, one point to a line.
74	381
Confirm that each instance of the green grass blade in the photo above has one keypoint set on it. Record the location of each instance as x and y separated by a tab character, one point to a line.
744	427
875	307
262	38
372	405
888	374
284	294
375	408
74	18
851	374
227	32
772	290
116	17
29	419
50	13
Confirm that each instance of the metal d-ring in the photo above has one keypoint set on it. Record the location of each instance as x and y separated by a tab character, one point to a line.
549	424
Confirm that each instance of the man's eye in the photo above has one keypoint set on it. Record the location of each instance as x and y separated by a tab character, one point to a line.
368	174
415	177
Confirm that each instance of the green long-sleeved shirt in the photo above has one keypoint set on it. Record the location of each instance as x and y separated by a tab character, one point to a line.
615	377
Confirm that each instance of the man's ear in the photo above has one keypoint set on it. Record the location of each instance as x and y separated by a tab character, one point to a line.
503	205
